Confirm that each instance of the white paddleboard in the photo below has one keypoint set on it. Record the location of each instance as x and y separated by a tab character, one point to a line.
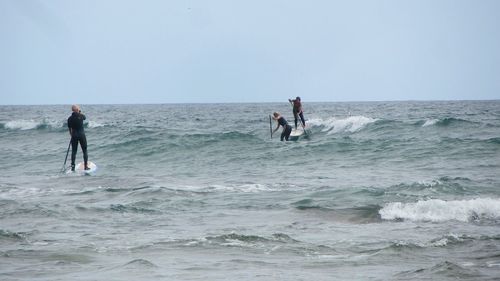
80	167
296	133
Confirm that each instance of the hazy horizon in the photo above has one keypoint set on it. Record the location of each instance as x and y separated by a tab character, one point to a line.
265	102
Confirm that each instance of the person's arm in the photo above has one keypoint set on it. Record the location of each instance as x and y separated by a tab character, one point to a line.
83	115
277	127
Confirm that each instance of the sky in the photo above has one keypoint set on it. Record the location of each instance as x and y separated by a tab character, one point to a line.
218	51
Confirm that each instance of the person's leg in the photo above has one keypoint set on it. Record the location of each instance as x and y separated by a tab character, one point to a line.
287	132
302	119
83	144
296	118
282	134
74	148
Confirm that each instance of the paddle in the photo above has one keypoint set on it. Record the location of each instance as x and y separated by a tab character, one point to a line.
66	159
270	126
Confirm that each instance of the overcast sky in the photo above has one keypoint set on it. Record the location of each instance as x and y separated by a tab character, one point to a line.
148	51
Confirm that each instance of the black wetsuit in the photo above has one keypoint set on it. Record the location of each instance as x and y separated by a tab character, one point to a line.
75	124
287	129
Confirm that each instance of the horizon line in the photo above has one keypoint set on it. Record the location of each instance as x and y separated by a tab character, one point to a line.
313	101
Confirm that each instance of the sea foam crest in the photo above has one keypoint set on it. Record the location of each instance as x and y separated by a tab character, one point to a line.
244	188
22	124
336	125
31	124
437	210
430	122
94	124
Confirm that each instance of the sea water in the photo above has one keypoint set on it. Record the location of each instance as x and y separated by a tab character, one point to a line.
379	191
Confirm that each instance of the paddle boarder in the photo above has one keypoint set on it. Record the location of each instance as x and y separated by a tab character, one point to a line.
75	126
297	111
287	129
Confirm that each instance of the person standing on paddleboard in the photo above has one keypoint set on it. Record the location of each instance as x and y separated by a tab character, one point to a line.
297	111
287	129
75	126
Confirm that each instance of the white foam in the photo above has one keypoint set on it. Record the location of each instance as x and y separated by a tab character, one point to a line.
246	188
239	188
93	124
432	183
445	240
22	124
442	242
437	210
31	124
335	125
430	122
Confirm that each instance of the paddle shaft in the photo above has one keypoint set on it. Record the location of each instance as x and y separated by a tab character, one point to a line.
270	126
66	159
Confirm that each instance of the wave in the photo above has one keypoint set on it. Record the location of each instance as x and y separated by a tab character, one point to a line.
443	241
241	188
443	122
27	125
230	239
443	185
350	124
356	214
223	239
43	124
214	137
436	210
121	208
450	241
439	271
272	243
93	124
277	242
493	140
8	235
147	196
430	122
309	204
139	264
239	239
155	142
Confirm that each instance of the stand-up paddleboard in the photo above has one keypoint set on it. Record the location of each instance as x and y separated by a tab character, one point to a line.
296	134
80	168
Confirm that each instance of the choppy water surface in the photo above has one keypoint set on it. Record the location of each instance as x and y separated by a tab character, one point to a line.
380	191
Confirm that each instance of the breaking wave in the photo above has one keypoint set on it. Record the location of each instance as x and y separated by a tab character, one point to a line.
350	124
443	122
25	124
437	210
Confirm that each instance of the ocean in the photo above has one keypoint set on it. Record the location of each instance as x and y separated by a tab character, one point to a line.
378	191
